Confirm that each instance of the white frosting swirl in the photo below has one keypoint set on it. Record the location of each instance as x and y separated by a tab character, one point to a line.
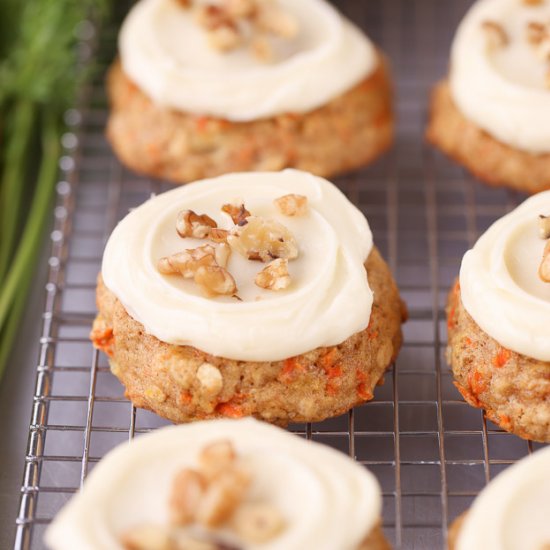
328	300
499	281
513	510
328	500
502	90
167	55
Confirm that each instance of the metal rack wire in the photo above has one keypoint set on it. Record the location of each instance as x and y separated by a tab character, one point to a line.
430	451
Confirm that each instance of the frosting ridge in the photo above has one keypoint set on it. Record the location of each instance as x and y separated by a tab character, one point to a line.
503	90
499	282
131	484
165	53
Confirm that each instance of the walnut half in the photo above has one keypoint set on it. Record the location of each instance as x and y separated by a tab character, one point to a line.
263	240
495	35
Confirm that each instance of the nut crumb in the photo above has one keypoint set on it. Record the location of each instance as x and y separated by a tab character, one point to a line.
190	224
237	211
225	38
214	280
217	457
261	48
263	240
223	497
292	205
258	523
272	19
210	379
147	537
274	276
535	33
495	35
188	489
240	8
219	235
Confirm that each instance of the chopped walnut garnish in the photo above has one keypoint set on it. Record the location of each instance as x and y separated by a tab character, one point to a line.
544	268
257	523
237	211
292	205
225	38
263	240
216	457
187	263
190	224
188	489
240	8
262	49
215	281
219	235
544	227
274	276
147	537
212	16
536	32
495	35
270	18
223	496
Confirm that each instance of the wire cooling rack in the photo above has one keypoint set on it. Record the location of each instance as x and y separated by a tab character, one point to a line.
430	451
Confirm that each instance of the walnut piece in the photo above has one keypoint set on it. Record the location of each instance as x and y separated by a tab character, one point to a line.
217	457
258	523
223	496
219	235
544	227
263	240
532	2
495	35
261	48
188	489
214	280
147	537
190	224
225	38
237	211
188	262
535	32
292	205
272	19
240	8
544	268
274	276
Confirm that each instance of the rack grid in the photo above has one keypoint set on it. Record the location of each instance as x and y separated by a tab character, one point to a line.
431	452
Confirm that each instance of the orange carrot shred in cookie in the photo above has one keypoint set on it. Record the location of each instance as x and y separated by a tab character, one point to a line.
230	409
501	358
103	339
329	359
477	384
334	371
363	392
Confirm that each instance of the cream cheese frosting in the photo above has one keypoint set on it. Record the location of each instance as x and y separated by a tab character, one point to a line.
167	55
328	300
328	500
499	282
503	90
512	511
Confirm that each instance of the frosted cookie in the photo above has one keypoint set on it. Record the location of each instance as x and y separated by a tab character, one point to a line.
499	322
203	88
492	114
223	485
249	294
511	512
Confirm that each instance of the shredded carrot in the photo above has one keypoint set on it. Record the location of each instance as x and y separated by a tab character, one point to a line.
501	358
332	388
103	339
230	409
329	359
373	335
505	421
467	341
291	368
202	123
335	371
477	383
185	398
